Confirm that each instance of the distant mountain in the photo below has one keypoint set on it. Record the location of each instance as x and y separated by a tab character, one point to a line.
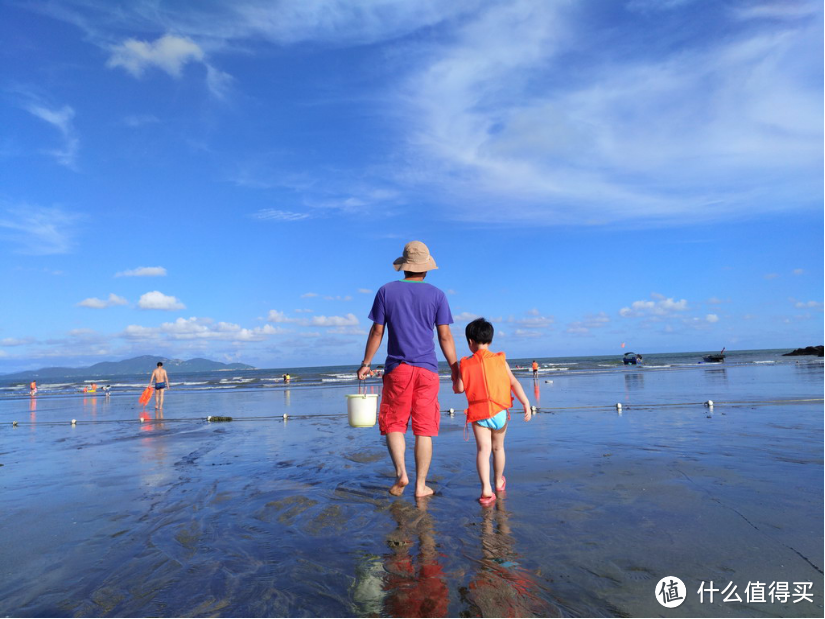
138	365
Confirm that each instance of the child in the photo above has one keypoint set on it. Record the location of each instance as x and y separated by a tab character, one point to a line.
487	380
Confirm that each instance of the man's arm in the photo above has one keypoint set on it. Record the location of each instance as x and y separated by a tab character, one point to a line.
445	340
373	342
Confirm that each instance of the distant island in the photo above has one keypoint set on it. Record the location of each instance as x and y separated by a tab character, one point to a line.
809	350
138	365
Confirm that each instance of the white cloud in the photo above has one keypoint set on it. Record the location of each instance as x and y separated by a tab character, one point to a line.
349	320
816	305
590	322
304	311
771	275
712	318
16	341
798	271
95	303
156	300
660	306
195	328
39	230
169	53
309	295
365	291
465	317
143	272
338	298
536	320
140	120
527	333
280	317
62	119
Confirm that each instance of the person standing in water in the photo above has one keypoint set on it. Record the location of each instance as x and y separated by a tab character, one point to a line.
535	369
161	383
412	310
33	388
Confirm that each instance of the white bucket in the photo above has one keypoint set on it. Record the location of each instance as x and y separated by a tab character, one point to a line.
361	408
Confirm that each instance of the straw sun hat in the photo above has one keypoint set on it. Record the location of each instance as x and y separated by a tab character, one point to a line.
416	258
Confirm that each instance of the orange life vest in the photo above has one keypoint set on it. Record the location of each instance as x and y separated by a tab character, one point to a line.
486	384
535	366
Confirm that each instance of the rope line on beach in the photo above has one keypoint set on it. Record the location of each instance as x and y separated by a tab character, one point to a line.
286	417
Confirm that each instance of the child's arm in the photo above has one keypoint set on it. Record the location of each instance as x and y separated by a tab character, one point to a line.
520	395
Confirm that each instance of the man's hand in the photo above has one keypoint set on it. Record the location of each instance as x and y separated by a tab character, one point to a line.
363	372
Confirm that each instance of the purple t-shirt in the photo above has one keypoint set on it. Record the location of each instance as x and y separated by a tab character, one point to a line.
411	310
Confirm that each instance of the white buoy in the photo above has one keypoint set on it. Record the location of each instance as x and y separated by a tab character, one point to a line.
452	410
533	408
74	421
548	381
709	403
619	405
285	416
13	423
209	418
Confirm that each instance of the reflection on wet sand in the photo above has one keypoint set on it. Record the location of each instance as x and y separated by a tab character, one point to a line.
500	587
414	586
633	381
717	375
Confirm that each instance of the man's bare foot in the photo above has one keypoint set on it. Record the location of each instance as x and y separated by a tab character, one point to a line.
397	489
427	491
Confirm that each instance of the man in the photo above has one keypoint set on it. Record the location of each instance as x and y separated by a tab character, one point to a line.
161	382
412	310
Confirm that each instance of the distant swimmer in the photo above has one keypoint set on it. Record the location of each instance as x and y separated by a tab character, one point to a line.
106	390
161	383
535	369
287	378
33	388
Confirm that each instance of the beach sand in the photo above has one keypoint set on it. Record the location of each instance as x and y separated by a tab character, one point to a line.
266	517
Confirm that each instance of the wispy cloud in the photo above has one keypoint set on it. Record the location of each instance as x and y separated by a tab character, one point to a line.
63	120
37	230
95	303
270	214
143	272
656	137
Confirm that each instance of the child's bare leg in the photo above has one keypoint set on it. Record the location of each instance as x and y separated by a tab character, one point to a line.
423	457
483	458
498	455
396	445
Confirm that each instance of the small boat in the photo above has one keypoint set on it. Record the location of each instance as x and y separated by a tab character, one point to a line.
714	358
631	358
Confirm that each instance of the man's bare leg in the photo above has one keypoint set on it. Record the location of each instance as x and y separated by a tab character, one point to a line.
423	457
397	446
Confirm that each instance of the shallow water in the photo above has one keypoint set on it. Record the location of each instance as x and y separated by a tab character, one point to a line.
266	517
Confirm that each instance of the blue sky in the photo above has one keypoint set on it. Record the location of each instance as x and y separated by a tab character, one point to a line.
234	179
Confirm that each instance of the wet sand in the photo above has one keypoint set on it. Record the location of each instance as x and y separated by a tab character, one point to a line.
179	517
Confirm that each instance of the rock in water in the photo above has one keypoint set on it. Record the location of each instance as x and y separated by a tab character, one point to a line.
809	350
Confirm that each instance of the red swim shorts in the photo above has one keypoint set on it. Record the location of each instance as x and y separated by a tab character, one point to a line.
410	392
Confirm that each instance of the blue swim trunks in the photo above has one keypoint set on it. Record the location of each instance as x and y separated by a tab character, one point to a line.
160	385
496	422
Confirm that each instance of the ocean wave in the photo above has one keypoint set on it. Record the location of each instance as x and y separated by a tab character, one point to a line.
764	361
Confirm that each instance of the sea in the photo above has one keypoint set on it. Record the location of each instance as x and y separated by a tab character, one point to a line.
344	375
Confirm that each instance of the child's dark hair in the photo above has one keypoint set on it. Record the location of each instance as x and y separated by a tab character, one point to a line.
480	331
